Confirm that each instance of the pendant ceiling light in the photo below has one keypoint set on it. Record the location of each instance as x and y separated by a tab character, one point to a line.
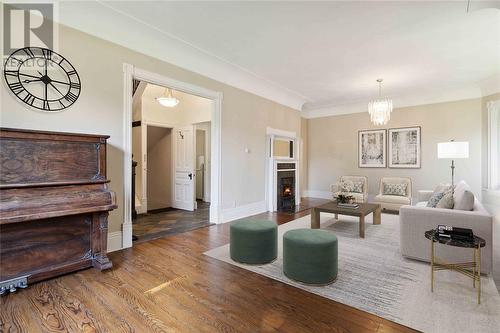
380	109
168	99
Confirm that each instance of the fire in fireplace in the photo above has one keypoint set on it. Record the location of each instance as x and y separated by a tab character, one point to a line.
287	190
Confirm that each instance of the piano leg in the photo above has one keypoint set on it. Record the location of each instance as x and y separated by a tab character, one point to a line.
99	248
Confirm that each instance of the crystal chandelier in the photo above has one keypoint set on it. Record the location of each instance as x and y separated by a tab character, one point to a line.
168	99
380	109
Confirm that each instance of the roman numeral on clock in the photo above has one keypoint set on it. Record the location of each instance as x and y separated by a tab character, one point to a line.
71	97
29	99
11	73
46	105
72	72
47	54
75	85
28	51
16	87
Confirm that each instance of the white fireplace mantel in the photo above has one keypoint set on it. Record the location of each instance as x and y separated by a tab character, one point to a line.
272	170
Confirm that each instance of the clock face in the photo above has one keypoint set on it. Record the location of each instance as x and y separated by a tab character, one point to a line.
42	78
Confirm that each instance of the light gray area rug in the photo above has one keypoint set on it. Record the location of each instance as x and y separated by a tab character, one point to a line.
374	277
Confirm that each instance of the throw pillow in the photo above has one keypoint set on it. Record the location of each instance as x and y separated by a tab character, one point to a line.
395	189
433	201
345	186
357	187
466	201
442	188
459	191
446	201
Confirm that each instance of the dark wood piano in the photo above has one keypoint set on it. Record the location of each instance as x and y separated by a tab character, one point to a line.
54	204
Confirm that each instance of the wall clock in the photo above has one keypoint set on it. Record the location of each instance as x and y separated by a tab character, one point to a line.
42	79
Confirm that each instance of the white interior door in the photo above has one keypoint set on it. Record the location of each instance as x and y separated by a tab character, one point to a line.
184	173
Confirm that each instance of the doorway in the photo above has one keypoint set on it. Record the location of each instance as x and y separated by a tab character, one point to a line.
130	73
171	149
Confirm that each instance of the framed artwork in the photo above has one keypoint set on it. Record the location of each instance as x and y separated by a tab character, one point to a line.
372	149
404	147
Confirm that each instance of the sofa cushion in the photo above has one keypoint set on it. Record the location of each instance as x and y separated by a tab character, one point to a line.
396	199
433	201
395	189
466	201
446	201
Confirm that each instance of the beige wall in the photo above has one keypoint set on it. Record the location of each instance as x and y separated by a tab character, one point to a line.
159	167
332	145
99	109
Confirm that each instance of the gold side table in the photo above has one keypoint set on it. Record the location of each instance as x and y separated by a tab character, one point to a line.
464	267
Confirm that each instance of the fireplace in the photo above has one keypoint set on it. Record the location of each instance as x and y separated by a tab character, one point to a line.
285	191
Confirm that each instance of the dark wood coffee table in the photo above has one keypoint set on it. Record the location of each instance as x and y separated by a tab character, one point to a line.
363	210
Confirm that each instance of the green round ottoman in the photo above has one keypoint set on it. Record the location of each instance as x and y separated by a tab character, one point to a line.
310	256
253	241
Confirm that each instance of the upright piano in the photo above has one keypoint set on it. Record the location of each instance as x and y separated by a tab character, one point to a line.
54	204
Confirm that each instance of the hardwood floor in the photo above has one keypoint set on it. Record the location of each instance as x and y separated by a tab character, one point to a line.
157	224
168	285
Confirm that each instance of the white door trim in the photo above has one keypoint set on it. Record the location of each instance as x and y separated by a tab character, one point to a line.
130	72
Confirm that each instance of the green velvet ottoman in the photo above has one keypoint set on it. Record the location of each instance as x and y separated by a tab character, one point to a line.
310	256
253	241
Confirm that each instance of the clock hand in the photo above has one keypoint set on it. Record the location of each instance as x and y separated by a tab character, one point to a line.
46	85
54	80
36	77
60	82
28	81
53	86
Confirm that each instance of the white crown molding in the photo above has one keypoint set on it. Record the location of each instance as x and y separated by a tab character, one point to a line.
414	99
106	22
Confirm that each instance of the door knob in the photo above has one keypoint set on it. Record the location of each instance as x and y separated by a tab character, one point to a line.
190	176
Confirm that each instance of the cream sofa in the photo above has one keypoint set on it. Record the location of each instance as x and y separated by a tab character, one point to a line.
358	197
393	202
415	220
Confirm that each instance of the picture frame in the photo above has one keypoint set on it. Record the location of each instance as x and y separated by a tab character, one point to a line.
405	145
372	148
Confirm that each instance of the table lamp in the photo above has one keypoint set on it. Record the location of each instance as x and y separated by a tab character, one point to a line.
453	150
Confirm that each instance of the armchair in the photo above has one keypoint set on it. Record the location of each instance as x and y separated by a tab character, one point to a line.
388	196
359	195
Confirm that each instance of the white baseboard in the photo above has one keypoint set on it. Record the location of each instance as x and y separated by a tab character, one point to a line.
140	210
114	241
231	214
317	194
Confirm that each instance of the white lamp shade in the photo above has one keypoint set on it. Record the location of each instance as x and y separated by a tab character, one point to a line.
453	149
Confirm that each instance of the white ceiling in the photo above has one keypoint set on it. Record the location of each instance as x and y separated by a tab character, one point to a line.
324	54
